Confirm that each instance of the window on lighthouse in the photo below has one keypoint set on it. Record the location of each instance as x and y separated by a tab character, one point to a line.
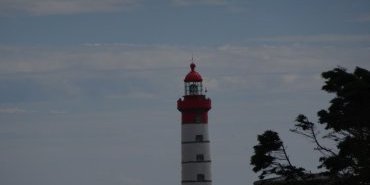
199	138
193	89
200	177
200	157
198	118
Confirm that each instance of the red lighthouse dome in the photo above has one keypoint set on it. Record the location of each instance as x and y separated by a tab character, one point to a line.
195	105
193	76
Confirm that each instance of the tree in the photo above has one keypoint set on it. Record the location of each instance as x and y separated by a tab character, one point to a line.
347	122
272	158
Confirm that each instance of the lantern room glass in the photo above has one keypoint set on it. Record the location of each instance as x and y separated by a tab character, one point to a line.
193	88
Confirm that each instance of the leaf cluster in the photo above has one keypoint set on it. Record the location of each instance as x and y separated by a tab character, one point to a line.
271	157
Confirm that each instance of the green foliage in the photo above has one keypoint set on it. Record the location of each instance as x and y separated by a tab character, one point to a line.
268	142
271	157
349	110
347	120
349	116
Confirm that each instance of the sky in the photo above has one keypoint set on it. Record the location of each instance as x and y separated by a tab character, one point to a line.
88	88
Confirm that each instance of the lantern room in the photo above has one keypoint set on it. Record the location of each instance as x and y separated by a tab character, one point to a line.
193	82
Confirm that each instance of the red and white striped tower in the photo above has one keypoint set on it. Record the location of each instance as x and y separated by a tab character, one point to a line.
195	149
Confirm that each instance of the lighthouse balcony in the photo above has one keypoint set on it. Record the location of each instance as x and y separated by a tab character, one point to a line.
194	103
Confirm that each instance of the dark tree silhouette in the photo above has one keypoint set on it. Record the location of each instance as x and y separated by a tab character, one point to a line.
271	157
347	122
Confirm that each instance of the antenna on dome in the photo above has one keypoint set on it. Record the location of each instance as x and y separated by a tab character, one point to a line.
193	59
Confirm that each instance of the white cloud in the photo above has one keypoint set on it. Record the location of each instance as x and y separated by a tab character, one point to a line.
289	78
229	5
228	58
57	112
199	2
56	7
11	110
318	38
42	59
50	7
132	95
361	18
122	72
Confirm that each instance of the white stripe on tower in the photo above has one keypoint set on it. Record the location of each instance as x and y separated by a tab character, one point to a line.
196	159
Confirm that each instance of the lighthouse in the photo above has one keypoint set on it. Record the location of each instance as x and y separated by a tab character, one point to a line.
195	144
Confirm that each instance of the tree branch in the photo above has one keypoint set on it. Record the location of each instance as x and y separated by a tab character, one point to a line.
318	144
286	155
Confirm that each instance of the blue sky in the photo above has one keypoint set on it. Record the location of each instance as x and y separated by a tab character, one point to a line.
88	88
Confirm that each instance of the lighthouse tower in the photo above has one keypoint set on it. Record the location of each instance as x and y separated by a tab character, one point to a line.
195	149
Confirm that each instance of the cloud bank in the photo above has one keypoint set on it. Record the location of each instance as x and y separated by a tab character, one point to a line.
54	7
199	2
118	71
